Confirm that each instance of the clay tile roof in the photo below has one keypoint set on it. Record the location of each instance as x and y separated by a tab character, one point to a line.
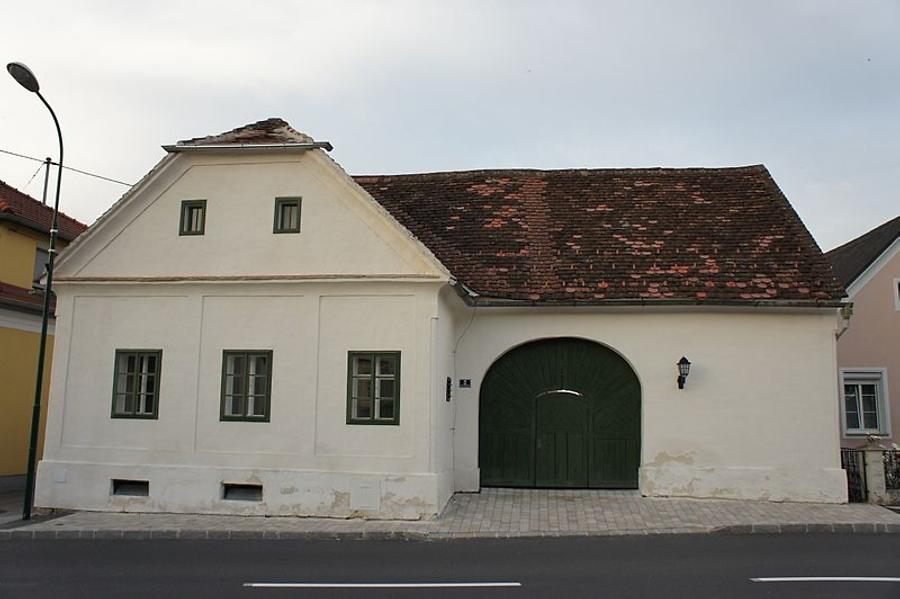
705	235
24	209
851	259
270	131
23	299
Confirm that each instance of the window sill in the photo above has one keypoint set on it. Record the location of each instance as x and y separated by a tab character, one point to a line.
135	416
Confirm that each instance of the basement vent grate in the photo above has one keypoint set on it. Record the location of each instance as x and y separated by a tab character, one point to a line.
241	492
130	488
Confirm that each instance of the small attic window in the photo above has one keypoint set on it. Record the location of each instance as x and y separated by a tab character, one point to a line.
287	215
193	217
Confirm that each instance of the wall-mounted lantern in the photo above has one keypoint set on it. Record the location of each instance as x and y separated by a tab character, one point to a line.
684	368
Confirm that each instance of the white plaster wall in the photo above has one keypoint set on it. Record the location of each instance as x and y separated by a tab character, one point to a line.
757	419
342	231
308	458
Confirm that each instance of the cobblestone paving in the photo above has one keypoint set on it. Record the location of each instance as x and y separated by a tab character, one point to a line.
494	513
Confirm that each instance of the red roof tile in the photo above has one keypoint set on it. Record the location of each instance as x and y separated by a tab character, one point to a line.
23	299
24	209
706	235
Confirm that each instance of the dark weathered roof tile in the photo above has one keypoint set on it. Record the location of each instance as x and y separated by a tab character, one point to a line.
589	235
852	258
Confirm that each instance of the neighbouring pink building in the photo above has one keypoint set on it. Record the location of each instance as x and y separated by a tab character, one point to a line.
868	351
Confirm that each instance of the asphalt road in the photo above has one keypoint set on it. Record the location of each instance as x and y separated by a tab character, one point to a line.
602	567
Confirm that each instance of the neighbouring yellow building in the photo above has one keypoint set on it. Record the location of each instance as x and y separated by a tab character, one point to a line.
24	239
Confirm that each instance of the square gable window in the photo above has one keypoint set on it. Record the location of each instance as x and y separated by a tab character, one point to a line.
193	217
287	215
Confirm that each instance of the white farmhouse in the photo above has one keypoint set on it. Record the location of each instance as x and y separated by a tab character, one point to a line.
250	330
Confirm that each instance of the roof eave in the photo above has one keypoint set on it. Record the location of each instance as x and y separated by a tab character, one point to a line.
489	302
30	224
299	147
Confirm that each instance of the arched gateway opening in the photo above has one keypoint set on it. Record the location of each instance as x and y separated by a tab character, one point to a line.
560	413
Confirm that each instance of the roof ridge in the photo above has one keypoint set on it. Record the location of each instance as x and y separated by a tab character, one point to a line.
871	232
526	170
272	129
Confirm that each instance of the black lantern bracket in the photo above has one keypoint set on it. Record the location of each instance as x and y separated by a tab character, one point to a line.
684	368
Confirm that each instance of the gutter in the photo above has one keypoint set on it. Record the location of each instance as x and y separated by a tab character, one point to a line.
28	223
302	147
473	298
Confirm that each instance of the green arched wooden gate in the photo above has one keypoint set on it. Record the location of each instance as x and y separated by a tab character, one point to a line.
560	413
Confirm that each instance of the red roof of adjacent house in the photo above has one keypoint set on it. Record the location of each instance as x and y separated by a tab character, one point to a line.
25	210
600	235
27	300
851	259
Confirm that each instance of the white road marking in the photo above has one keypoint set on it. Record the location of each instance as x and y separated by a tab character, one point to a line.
828	579
378	585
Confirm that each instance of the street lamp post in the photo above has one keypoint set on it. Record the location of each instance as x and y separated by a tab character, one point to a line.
26	79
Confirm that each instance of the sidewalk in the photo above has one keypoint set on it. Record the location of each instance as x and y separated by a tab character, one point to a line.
492	513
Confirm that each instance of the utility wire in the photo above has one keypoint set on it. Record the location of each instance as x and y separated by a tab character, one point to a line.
68	168
32	177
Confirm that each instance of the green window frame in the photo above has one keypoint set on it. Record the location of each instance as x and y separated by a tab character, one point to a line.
287	215
373	387
193	217
246	385
135	389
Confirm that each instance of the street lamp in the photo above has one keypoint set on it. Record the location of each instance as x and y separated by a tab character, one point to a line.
26	79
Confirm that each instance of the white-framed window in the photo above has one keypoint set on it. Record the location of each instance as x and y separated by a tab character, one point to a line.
41	259
897	295
864	405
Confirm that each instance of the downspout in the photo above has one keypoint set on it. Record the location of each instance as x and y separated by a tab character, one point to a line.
845	314
470	297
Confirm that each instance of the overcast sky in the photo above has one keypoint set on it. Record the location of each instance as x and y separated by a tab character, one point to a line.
809	88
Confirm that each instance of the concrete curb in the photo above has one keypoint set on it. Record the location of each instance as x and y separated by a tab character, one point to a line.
17	534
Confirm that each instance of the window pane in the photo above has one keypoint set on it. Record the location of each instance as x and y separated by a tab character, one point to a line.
292	213
362	388
363	408
258	407
237	385
233	405
362	365
851	406
256	385
386	365
386	409
386	388
235	364
260	365
41	257
120	404
869	406
145	406
121	382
